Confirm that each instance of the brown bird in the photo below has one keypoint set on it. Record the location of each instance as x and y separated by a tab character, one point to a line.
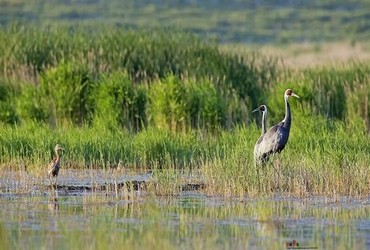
54	165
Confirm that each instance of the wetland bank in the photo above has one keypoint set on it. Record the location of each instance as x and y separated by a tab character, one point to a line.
177	114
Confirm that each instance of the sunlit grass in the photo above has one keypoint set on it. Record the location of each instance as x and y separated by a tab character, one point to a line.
321	159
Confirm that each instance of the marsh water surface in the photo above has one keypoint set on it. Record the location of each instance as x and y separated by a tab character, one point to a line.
60	219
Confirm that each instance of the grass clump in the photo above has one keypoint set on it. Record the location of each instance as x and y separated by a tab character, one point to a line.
180	105
119	103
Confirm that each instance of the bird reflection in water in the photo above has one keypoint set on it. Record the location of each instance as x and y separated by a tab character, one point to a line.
53	203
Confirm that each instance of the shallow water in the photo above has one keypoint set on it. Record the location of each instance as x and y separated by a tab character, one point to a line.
101	220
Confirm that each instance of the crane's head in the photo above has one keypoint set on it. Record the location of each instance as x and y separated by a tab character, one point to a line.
261	108
58	147
289	93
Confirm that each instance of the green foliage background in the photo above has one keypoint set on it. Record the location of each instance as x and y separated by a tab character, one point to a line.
233	21
135	80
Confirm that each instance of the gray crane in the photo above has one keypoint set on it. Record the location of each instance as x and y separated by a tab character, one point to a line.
263	110
276	137
54	165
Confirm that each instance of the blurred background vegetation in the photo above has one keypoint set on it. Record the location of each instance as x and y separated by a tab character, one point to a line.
134	79
242	21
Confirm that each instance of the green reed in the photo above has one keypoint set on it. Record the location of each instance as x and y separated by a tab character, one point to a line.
326	157
62	76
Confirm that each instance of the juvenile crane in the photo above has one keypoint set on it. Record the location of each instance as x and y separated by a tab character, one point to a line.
263	109
275	138
54	165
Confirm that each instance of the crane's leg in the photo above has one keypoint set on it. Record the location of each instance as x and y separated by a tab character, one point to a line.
256	166
276	163
259	180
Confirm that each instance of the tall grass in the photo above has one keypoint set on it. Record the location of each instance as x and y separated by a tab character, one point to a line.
59	75
170	101
172	80
326	157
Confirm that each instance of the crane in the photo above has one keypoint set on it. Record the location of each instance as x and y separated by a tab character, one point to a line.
263	109
54	165
276	137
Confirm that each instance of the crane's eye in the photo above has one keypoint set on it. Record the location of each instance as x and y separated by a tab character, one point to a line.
289	92
262	108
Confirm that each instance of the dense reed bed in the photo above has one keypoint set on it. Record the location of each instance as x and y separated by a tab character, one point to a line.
169	101
62	76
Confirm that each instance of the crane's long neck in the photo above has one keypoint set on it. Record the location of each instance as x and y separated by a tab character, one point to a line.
57	157
264	121
288	115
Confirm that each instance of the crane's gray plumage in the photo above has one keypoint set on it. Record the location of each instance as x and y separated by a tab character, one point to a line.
54	165
275	138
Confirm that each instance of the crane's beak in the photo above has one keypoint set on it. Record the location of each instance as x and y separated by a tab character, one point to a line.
257	109
295	95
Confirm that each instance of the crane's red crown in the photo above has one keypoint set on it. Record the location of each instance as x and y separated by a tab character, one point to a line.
288	92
